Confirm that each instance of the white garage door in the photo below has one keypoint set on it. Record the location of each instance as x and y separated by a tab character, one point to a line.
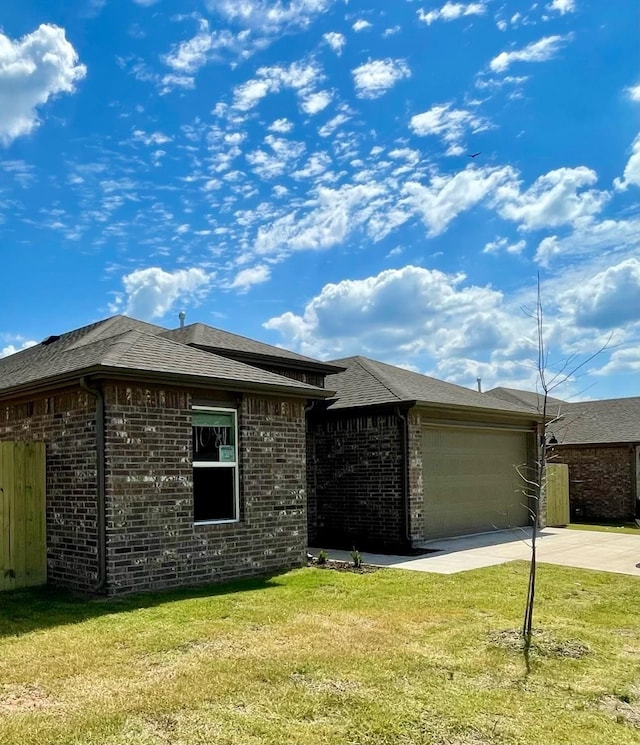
471	484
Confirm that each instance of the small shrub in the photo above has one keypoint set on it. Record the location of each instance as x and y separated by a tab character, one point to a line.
323	556
356	557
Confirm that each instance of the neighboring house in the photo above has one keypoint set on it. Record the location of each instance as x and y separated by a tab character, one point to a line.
600	442
534	401
165	464
398	458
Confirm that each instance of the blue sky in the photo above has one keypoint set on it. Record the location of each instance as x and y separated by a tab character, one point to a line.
300	172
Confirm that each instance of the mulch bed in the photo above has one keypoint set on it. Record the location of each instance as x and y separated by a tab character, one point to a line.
344	566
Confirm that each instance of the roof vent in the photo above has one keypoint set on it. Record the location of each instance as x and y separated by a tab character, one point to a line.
182	315
50	339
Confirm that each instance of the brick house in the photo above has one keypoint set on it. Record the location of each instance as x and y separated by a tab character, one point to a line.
600	442
166	463
398	458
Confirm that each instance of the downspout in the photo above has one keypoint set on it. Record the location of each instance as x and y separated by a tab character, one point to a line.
100	479
404	445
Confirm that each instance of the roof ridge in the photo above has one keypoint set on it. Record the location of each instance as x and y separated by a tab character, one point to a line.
380	377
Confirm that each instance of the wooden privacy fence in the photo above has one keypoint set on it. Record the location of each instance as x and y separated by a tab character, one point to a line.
557	493
23	542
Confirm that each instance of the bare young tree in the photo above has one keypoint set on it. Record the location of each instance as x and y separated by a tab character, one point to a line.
535	478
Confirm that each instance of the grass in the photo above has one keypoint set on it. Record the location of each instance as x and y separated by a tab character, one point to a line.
616	527
322	657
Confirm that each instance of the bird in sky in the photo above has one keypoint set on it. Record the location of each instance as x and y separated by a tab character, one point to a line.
474	155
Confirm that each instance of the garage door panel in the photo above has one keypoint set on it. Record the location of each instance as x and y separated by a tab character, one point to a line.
470	480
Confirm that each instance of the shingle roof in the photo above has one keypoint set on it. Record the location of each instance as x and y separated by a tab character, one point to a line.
207	337
526	398
120	344
606	421
366	382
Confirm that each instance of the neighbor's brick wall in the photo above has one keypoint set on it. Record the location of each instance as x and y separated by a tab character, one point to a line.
152	541
355	481
66	422
600	481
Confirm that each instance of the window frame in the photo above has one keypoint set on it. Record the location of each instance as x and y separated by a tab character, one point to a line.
220	464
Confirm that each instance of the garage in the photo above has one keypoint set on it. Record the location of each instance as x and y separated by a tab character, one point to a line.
470	480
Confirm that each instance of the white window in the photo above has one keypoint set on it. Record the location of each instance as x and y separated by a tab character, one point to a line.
215	465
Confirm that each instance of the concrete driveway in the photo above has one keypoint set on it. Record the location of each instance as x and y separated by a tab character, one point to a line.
607	552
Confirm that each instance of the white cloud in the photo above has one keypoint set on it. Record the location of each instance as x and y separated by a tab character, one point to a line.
32	70
152	292
282	126
447	196
538	51
249	94
448	124
301	77
316	166
401	313
330	127
503	244
336	41
12	348
552	200
590	239
374	78
451	11
631	174
255	275
608	300
190	55
316	102
270	16
634	92
145	3
361	25
152	138
336	212
621	361
562	6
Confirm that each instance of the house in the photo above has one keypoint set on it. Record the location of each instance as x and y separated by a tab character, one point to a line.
397	458
600	442
172	457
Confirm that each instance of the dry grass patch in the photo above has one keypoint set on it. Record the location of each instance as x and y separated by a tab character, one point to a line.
324	657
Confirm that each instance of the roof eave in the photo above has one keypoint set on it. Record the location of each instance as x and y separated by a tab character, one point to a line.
151	376
531	416
248	357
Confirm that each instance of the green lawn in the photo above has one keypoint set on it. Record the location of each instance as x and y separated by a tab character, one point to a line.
317	657
618	527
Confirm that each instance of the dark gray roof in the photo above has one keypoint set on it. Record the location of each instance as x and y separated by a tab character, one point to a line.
526	398
216	340
123	345
366	382
605	421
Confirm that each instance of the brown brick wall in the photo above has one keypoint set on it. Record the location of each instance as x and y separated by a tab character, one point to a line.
66	422
600	481
416	493
355	481
152	541
311	378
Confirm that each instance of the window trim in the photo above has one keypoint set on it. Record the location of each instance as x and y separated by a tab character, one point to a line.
213	464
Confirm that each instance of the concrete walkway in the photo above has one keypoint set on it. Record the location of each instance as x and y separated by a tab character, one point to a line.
607	552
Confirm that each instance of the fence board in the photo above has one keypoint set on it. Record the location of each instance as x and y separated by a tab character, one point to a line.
22	514
557	493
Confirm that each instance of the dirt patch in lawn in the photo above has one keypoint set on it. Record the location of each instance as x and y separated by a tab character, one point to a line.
20	698
544	643
623	707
